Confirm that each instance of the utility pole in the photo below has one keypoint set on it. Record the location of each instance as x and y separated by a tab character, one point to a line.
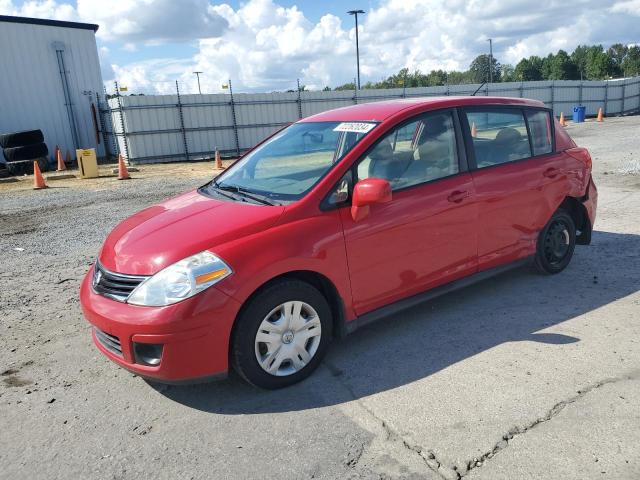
198	76
355	13
490	60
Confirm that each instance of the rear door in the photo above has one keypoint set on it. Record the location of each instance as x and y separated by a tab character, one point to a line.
518	179
426	235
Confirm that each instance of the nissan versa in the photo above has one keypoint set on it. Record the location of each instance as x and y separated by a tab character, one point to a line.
342	218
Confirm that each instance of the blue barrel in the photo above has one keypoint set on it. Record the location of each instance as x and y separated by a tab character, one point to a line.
579	113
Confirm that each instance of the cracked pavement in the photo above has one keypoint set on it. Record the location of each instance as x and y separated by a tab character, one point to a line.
519	377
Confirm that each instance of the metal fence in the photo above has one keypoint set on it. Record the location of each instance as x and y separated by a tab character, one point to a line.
165	128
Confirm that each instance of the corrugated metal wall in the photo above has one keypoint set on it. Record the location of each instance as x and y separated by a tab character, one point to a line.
31	92
155	133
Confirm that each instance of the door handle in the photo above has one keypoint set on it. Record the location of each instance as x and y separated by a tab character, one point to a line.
551	172
457	196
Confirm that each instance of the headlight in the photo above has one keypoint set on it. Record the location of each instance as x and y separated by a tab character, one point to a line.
181	280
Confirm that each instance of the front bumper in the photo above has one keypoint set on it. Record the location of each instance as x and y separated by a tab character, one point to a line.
194	333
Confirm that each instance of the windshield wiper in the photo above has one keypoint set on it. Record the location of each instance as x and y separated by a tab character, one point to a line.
216	185
247	193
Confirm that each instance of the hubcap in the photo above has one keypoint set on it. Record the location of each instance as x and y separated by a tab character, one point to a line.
556	242
288	338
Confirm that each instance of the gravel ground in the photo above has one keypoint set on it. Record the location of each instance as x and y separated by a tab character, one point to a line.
521	376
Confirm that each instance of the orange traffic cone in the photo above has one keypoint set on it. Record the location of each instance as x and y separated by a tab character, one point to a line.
123	173
218	160
474	130
562	120
600	115
61	165
38	179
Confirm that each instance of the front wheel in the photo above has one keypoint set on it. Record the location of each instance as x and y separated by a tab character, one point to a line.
281	335
556	244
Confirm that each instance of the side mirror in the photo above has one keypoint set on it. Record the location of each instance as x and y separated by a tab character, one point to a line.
366	193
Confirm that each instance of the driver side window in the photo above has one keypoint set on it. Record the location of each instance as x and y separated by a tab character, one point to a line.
413	153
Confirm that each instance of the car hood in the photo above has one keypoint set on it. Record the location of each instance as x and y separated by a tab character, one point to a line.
159	236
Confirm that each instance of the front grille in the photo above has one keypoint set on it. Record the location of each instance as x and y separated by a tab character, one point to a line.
110	342
116	286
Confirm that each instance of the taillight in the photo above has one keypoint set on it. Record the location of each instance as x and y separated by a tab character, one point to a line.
581	154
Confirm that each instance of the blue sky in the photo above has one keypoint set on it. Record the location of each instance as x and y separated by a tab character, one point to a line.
265	45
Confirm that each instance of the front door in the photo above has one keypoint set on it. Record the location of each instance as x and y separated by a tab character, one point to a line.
426	235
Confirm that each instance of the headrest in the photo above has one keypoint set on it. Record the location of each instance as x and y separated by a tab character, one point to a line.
507	136
382	150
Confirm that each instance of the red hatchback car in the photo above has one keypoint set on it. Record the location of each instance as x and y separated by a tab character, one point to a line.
339	219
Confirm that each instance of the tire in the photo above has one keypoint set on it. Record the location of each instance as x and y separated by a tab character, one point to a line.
282	350
4	171
20	139
16	169
556	244
28	152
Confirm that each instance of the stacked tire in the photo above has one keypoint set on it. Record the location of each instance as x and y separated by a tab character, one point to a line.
20	149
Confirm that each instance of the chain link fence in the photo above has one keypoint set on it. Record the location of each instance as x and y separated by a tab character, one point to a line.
166	128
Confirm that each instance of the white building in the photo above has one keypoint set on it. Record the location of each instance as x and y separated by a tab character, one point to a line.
49	78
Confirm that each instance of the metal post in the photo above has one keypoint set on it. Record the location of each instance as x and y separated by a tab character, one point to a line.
580	94
184	133
404	85
355	92
490	60
116	147
521	89
122	125
198	76
66	90
235	121
355	13
624	85
299	101
100	125
553	96
606	96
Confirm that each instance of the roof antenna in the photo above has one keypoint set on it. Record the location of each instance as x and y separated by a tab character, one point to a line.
478	89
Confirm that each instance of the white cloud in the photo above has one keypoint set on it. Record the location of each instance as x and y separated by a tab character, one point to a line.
264	46
632	7
152	21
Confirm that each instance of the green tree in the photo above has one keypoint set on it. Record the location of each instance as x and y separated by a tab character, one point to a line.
562	67
529	69
346	86
547	62
508	73
479	69
617	53
631	62
599	65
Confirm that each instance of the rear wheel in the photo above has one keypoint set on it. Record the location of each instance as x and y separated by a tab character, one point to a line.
281	335
556	244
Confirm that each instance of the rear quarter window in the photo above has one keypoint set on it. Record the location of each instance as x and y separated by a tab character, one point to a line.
540	130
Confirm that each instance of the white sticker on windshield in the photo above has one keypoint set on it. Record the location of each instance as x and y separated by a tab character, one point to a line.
357	127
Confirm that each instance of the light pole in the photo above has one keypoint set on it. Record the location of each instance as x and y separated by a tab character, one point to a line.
198	76
490	60
355	13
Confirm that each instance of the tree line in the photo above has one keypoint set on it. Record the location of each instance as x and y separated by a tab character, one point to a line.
586	62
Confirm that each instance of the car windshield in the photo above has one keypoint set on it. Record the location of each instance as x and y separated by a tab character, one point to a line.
288	165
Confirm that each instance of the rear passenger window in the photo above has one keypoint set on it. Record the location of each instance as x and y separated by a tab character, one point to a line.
540	131
499	136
